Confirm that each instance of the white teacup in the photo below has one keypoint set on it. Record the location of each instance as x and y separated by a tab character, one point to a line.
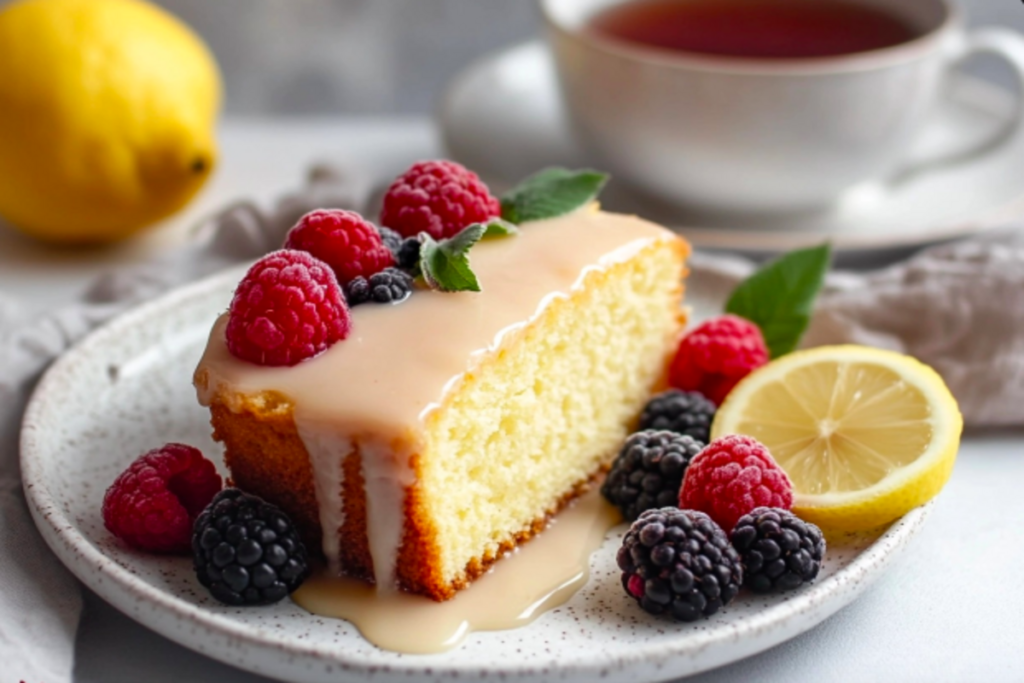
761	135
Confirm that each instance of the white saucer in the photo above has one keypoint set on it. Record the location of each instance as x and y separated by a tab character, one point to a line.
503	118
127	388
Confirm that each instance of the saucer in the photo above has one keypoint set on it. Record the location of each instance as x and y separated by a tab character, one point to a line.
503	118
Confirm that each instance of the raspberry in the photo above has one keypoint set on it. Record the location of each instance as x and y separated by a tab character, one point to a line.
439	198
152	504
682	412
287	308
679	563
389	286
716	355
779	550
648	471
246	551
731	477
344	240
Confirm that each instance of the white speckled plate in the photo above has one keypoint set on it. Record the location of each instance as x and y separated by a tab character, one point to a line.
127	388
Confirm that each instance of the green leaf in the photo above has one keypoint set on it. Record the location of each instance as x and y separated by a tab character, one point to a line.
550	193
445	264
780	296
498	227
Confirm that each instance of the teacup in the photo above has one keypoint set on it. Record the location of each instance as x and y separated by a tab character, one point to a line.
762	135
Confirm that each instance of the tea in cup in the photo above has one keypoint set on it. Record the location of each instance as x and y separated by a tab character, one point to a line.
759	105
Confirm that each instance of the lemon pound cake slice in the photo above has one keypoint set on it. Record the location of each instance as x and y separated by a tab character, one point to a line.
447	429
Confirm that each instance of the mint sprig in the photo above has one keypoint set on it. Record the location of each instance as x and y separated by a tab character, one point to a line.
780	296
498	227
445	264
551	193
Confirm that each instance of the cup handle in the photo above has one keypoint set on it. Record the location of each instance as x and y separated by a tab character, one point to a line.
1007	45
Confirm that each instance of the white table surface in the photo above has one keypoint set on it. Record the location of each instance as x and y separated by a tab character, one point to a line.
950	609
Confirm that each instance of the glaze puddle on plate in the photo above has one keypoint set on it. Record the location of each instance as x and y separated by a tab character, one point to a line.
530	581
86	422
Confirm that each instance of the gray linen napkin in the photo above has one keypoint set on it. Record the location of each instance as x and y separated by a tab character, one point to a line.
954	306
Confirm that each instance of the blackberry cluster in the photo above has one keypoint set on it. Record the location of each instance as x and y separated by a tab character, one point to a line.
391	239
246	551
779	550
648	471
389	286
408	253
679	563
683	412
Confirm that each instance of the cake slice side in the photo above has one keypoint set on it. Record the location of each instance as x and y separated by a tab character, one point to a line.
540	417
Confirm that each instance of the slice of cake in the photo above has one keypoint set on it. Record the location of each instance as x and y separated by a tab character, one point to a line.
447	429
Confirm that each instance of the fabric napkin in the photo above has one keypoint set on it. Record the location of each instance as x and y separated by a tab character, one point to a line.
956	307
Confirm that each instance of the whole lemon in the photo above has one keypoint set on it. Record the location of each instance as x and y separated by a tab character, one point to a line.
107	116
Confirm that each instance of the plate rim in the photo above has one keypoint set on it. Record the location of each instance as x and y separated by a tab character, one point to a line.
115	583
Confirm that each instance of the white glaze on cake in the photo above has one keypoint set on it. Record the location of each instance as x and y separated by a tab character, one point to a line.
327	451
375	389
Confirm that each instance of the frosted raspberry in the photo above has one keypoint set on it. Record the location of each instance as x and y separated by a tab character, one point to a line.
344	240
439	198
287	308
715	356
731	477
152	504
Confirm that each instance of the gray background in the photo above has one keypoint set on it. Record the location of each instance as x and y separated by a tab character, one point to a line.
329	57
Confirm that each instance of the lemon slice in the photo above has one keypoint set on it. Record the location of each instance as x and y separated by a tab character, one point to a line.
865	435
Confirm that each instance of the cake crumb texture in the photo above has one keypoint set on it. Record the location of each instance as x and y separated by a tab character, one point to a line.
550	408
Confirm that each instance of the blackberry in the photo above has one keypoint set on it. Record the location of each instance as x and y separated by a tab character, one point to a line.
648	471
679	563
246	551
389	286
408	254
391	239
683	412
779	550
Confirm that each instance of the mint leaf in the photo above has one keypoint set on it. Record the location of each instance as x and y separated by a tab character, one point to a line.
780	296
550	193
445	264
497	227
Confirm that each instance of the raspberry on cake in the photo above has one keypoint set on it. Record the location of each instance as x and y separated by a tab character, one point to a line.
344	240
439	198
452	427
287	308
